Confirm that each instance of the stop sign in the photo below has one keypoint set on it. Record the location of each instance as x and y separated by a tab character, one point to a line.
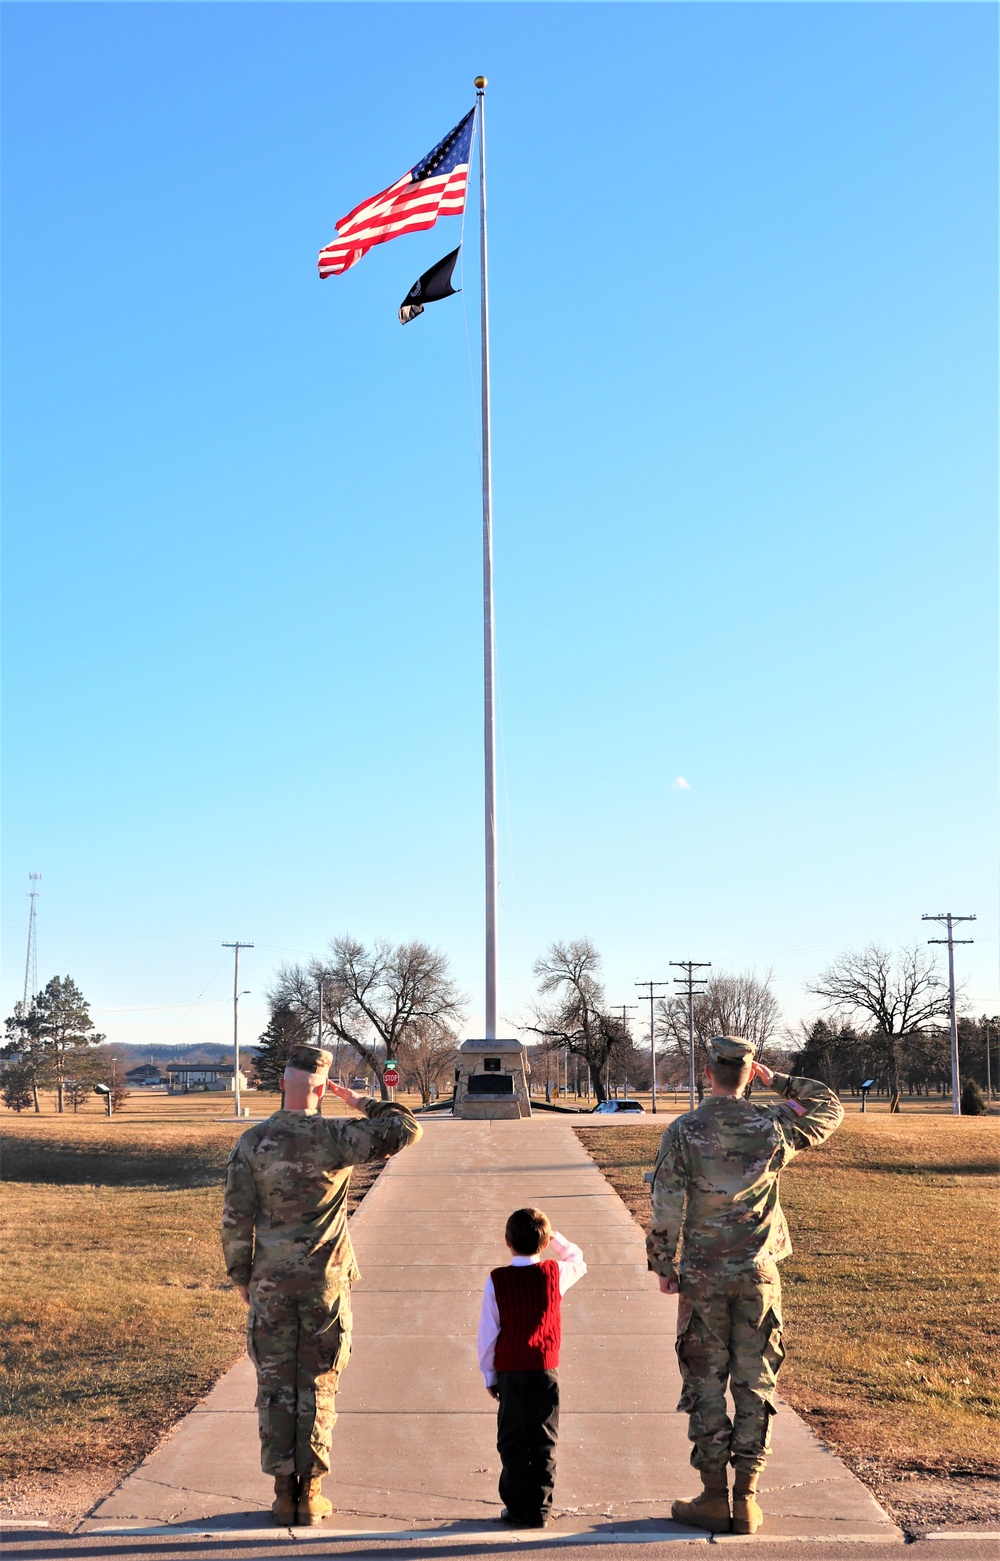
390	1078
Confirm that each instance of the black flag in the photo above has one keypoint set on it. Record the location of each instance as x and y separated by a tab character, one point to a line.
434	284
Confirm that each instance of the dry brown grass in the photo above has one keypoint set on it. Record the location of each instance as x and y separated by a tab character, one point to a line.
891	1293
117	1320
117	1313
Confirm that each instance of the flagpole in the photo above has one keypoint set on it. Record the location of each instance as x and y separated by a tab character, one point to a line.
489	725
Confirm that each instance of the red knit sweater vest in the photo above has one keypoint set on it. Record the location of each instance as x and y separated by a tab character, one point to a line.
530	1308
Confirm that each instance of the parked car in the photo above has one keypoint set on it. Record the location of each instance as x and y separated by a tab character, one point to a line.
608	1107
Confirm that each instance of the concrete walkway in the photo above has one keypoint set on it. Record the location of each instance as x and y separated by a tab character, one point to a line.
414	1451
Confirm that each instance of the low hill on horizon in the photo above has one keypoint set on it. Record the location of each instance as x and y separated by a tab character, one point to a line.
162	1055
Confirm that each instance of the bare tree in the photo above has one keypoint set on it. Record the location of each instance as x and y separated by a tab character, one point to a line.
77	1092
373	998
575	1019
430	1054
118	1097
900	994
742	1004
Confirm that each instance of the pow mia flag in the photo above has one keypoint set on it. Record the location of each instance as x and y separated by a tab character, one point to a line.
427	289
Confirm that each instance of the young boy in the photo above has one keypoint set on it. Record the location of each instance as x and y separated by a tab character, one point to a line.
520	1329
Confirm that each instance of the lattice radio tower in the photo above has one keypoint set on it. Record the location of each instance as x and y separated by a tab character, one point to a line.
31	962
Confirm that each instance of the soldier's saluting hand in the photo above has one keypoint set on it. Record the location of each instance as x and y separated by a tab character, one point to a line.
288	1252
717	1236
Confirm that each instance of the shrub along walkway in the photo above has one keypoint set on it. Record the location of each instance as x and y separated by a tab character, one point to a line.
414	1449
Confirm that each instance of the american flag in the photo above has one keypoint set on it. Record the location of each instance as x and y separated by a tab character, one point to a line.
434	188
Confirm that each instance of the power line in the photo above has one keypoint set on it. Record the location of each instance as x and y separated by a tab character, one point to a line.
652	1032
950	940
690	980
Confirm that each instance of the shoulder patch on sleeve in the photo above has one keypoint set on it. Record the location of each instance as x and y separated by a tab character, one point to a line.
794	1105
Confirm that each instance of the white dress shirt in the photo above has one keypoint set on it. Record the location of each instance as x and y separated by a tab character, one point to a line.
571	1268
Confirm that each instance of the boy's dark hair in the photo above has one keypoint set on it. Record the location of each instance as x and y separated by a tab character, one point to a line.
731	1075
528	1231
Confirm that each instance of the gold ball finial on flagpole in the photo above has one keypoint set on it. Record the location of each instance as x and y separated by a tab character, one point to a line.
480	82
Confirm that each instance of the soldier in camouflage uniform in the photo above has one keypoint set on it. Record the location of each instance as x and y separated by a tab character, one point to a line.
717	1236
288	1251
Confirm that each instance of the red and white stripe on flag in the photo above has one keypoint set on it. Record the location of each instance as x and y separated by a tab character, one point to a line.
408	206
435	187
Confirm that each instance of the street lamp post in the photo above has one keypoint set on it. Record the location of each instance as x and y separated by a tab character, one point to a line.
237	1109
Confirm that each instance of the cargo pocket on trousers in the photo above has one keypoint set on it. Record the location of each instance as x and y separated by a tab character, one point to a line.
341	1354
692	1360
334	1343
251	1351
771	1412
774	1349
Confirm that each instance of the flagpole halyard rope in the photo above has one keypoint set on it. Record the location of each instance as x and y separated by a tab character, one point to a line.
465	317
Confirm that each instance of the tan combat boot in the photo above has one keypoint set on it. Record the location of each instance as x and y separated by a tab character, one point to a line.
709	1510
286	1497
747	1516
313	1505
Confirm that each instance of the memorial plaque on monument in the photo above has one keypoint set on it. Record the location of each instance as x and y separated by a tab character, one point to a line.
492	1081
491	1084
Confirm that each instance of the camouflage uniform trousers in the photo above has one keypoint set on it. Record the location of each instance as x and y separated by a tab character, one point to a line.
299	1343
729	1326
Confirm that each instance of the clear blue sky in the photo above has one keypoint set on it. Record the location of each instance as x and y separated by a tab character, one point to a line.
744	265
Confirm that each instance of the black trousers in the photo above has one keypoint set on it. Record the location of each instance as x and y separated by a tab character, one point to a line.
527	1433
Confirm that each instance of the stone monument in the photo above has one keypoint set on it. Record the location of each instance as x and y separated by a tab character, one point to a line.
492	1081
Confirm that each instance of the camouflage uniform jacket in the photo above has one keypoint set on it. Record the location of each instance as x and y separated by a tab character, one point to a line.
284	1215
715	1184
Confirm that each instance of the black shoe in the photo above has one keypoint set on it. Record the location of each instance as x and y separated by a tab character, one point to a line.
538	1521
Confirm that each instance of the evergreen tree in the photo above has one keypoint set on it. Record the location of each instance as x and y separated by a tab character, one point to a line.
835	1053
285	1029
973	1100
16	1086
60	1016
25	1049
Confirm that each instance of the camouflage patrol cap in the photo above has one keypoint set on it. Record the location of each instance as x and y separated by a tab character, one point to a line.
730	1048
309	1059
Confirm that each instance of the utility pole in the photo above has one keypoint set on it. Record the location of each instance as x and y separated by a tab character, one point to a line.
626	1008
319	1027
989	1083
690	980
31	962
652	1032
236	1021
951	940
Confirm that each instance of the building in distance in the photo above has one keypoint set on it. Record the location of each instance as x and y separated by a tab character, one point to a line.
185	1078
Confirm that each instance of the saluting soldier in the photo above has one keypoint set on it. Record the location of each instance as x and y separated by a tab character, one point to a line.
717	1236
289	1254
